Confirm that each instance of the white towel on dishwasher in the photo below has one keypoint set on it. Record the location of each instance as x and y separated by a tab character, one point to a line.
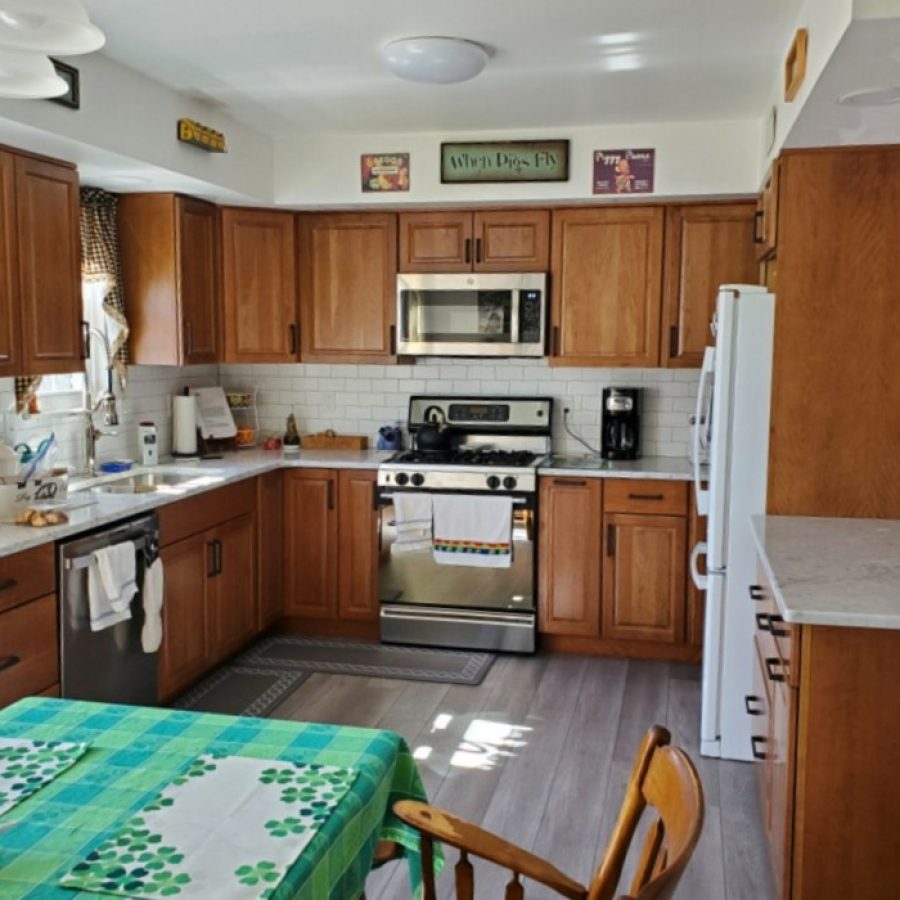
111	585
473	531
154	584
412	515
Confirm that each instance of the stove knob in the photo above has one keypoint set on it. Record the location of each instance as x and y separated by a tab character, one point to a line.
418	479
493	482
509	483
402	478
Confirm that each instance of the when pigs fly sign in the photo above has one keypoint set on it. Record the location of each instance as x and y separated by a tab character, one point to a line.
504	161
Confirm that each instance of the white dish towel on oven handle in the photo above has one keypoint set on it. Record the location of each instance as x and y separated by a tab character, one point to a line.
473	531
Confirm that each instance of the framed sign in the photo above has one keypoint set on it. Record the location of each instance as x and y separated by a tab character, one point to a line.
69	74
384	172
504	161
624	171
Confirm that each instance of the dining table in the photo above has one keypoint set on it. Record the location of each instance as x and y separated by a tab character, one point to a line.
135	752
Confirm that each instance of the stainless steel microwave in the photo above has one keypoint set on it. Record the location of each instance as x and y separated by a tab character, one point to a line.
472	314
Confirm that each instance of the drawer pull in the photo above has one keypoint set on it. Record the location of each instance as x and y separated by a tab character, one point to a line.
570	482
646	497
769	622
757	593
7	662
754	742
8	584
775	669
749	700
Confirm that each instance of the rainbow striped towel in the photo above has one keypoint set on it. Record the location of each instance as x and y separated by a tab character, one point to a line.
473	531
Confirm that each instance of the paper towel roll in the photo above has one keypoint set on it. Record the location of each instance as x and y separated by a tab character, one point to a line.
184	426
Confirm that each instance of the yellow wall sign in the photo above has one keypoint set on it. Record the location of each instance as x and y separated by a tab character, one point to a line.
191	132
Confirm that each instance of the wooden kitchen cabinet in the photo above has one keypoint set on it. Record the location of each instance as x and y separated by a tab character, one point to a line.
496	240
170	271
49	266
29	649
569	556
348	275
765	232
269	523
233	612
331	548
606	268
706	246
259	286
644	577
10	318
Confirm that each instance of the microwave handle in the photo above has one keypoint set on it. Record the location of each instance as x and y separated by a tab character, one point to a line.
515	334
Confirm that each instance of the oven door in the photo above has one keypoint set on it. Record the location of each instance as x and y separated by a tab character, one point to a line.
424	602
471	315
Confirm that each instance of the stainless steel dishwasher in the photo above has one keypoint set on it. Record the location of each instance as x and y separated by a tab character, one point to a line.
109	666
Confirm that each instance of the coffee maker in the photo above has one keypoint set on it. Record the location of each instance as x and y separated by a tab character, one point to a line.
621	431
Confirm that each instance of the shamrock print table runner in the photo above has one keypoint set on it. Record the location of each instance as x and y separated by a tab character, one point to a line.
227	827
26	766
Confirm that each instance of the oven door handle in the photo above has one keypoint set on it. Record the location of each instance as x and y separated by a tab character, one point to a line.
387	499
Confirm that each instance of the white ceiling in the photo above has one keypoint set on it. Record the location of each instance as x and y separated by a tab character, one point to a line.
292	67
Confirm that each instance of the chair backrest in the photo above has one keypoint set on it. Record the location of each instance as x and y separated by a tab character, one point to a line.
664	779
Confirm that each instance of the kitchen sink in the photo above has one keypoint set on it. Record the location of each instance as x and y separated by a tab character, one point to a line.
164	480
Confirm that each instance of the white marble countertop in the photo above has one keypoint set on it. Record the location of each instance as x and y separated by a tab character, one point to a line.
660	468
843	572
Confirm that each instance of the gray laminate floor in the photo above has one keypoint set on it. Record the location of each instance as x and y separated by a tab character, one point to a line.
540	753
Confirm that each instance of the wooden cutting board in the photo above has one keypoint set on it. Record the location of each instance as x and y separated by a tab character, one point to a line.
328	440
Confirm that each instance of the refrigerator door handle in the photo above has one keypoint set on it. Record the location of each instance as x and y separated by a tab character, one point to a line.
700	581
699	426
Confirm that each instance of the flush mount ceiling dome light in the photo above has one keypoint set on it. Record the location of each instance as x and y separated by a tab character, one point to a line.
58	27
28	76
434	60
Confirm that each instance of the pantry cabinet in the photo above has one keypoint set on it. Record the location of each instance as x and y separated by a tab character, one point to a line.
706	246
606	268
331	546
348	275
170	271
496	240
259	286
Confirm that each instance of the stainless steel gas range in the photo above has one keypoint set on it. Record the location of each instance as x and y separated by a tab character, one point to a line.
492	447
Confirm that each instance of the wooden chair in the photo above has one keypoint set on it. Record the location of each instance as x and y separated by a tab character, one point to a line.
663	777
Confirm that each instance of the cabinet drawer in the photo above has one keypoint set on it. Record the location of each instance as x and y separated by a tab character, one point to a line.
180	520
29	649
633	495
27	575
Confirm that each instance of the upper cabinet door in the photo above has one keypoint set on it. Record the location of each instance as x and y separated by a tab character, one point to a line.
348	281
259	286
10	346
436	242
47	206
607	286
512	240
198	249
706	246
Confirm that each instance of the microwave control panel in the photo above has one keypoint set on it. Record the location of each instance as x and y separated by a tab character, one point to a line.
530	313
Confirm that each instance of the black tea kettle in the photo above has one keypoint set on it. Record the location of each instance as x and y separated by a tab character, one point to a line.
436	435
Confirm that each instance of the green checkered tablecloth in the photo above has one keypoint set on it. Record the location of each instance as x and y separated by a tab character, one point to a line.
136	751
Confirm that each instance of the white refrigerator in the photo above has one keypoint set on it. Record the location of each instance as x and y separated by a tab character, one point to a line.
729	451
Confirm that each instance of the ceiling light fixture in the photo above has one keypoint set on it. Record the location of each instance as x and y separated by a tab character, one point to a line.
434	60
57	27
28	76
872	97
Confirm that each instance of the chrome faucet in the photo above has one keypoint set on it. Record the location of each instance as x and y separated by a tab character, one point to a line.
105	404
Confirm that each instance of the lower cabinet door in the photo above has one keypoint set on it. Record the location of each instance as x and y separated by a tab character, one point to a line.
185	653
644	577
233	612
357	545
29	649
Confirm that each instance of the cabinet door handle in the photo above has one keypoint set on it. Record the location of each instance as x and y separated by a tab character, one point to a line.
610	540
758	237
757	593
85	339
210	559
8	583
775	669
478	250
754	742
374	496
468	250
646	497
555	348
292	331
188	338
769	622
7	662
217	547
331	493
749	700
392	340
673	341
570	482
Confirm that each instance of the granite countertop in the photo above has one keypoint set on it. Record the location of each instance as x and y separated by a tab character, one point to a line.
843	572
660	468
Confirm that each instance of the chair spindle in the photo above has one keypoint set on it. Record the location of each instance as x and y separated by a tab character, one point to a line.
514	890
465	878
427	846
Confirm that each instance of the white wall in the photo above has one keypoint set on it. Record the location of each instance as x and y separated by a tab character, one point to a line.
359	399
692	158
